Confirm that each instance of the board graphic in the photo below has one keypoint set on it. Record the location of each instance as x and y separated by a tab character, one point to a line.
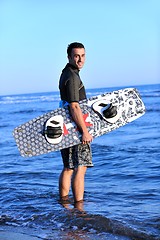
56	129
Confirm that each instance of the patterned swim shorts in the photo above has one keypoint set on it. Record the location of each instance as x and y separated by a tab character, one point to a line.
79	155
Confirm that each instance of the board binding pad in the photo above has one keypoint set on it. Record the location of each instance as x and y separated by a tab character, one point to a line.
56	130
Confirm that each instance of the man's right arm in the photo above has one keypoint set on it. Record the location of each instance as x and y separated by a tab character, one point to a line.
77	116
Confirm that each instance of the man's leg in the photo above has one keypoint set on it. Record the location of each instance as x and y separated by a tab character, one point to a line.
78	183
65	183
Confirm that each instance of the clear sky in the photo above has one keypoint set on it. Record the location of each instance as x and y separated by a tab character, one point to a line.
121	38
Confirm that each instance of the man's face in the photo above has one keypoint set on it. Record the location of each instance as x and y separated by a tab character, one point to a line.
77	57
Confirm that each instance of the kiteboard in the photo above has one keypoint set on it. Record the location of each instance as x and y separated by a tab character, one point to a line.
56	130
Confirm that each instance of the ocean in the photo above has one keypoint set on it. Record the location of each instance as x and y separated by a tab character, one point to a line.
122	190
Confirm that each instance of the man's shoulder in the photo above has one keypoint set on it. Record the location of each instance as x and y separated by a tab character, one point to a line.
69	72
71	69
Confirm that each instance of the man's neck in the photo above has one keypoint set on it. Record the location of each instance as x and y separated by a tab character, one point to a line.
72	66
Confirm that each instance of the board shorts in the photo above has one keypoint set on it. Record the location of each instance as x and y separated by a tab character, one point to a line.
78	155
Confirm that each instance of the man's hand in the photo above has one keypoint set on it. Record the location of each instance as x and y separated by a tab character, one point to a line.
86	137
78	118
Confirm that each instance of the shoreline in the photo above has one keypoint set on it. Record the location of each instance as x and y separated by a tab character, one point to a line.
8	235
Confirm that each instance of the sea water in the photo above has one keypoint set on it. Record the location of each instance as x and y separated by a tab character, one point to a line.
122	190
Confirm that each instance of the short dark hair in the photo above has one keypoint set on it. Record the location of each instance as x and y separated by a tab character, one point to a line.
74	45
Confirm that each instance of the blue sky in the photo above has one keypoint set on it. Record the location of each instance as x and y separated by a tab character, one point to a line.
121	38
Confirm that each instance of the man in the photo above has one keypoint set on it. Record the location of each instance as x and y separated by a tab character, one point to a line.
76	159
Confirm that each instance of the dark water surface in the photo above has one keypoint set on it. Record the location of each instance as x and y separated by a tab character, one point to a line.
122	192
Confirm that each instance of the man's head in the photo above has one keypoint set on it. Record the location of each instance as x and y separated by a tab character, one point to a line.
76	54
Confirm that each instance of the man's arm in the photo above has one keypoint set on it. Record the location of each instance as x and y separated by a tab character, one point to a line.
78	118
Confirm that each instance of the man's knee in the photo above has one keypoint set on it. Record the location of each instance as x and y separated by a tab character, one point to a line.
67	171
80	170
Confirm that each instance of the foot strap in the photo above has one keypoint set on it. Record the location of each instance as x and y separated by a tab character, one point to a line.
110	112
53	132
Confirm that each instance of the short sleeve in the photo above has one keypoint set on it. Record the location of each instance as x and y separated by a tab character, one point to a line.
72	88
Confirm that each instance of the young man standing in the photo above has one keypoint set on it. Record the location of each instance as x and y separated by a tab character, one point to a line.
76	159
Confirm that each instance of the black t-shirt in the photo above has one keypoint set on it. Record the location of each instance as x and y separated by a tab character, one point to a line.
70	85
